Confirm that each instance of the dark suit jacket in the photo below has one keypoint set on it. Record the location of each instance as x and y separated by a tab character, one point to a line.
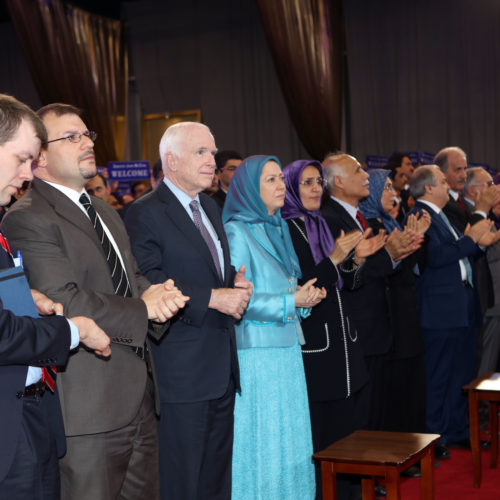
367	305
195	359
219	197
404	314
334	364
457	216
484	278
66	262
441	293
26	341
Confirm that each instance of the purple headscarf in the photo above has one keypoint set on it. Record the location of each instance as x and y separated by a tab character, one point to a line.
318	233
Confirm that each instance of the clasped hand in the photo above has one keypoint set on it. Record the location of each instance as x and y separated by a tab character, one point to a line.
308	295
163	301
233	301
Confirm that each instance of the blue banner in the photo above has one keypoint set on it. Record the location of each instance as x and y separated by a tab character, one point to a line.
373	161
128	170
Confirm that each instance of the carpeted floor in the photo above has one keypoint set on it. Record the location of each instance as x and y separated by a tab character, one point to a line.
453	479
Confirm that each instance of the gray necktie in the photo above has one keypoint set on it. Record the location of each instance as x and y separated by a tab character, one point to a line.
468	268
198	222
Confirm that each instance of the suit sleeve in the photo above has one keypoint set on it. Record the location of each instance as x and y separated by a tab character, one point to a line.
33	341
50	271
440	252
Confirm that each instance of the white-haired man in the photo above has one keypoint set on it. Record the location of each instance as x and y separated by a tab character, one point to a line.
177	231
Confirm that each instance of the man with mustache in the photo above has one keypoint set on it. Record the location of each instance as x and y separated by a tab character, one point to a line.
78	253
347	185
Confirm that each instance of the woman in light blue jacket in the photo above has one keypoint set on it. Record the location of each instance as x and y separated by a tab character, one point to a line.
272	435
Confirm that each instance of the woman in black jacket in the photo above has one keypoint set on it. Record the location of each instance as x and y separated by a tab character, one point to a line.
334	364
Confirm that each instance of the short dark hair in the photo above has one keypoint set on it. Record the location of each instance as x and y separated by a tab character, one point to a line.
222	157
157	170
104	180
59	109
395	160
134	184
12	113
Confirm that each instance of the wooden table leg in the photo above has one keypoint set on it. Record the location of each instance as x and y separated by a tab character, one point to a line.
328	481
494	433
474	436
368	488
392	485
427	481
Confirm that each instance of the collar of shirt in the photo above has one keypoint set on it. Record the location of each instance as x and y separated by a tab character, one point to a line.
73	195
184	199
453	194
431	205
349	208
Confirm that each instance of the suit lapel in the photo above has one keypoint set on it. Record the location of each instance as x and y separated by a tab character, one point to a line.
339	210
438	222
66	209
179	217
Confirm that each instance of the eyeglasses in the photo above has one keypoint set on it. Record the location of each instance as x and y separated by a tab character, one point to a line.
487	184
76	138
310	182
389	187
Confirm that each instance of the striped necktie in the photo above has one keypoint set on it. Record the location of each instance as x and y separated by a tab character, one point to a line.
118	275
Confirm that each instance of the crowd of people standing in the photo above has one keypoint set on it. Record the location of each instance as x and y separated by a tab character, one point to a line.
249	328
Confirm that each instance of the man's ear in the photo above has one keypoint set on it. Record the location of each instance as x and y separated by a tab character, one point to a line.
338	182
171	161
41	161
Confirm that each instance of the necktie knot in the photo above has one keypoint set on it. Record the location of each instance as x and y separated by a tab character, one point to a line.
85	200
194	206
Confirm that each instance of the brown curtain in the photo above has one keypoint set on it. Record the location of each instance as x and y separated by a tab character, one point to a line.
305	40
81	59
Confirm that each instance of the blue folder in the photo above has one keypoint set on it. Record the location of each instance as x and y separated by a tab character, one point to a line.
15	292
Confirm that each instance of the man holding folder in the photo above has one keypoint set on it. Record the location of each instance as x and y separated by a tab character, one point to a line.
31	428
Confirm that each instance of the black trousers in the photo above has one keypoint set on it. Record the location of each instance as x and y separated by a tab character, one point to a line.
34	473
196	447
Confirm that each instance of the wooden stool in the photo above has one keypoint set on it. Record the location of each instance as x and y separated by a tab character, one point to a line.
485	388
378	454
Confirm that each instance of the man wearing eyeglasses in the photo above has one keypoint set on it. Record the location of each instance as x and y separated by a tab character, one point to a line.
78	253
226	162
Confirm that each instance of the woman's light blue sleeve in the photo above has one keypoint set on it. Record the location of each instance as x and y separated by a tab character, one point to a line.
263	306
304	312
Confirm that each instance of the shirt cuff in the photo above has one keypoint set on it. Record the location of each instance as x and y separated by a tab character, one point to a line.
75	335
484	215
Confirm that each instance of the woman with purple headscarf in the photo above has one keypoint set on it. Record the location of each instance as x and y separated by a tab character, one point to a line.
333	359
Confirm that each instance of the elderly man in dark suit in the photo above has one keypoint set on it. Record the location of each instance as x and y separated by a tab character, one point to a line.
78	253
367	305
31	428
448	305
177	231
